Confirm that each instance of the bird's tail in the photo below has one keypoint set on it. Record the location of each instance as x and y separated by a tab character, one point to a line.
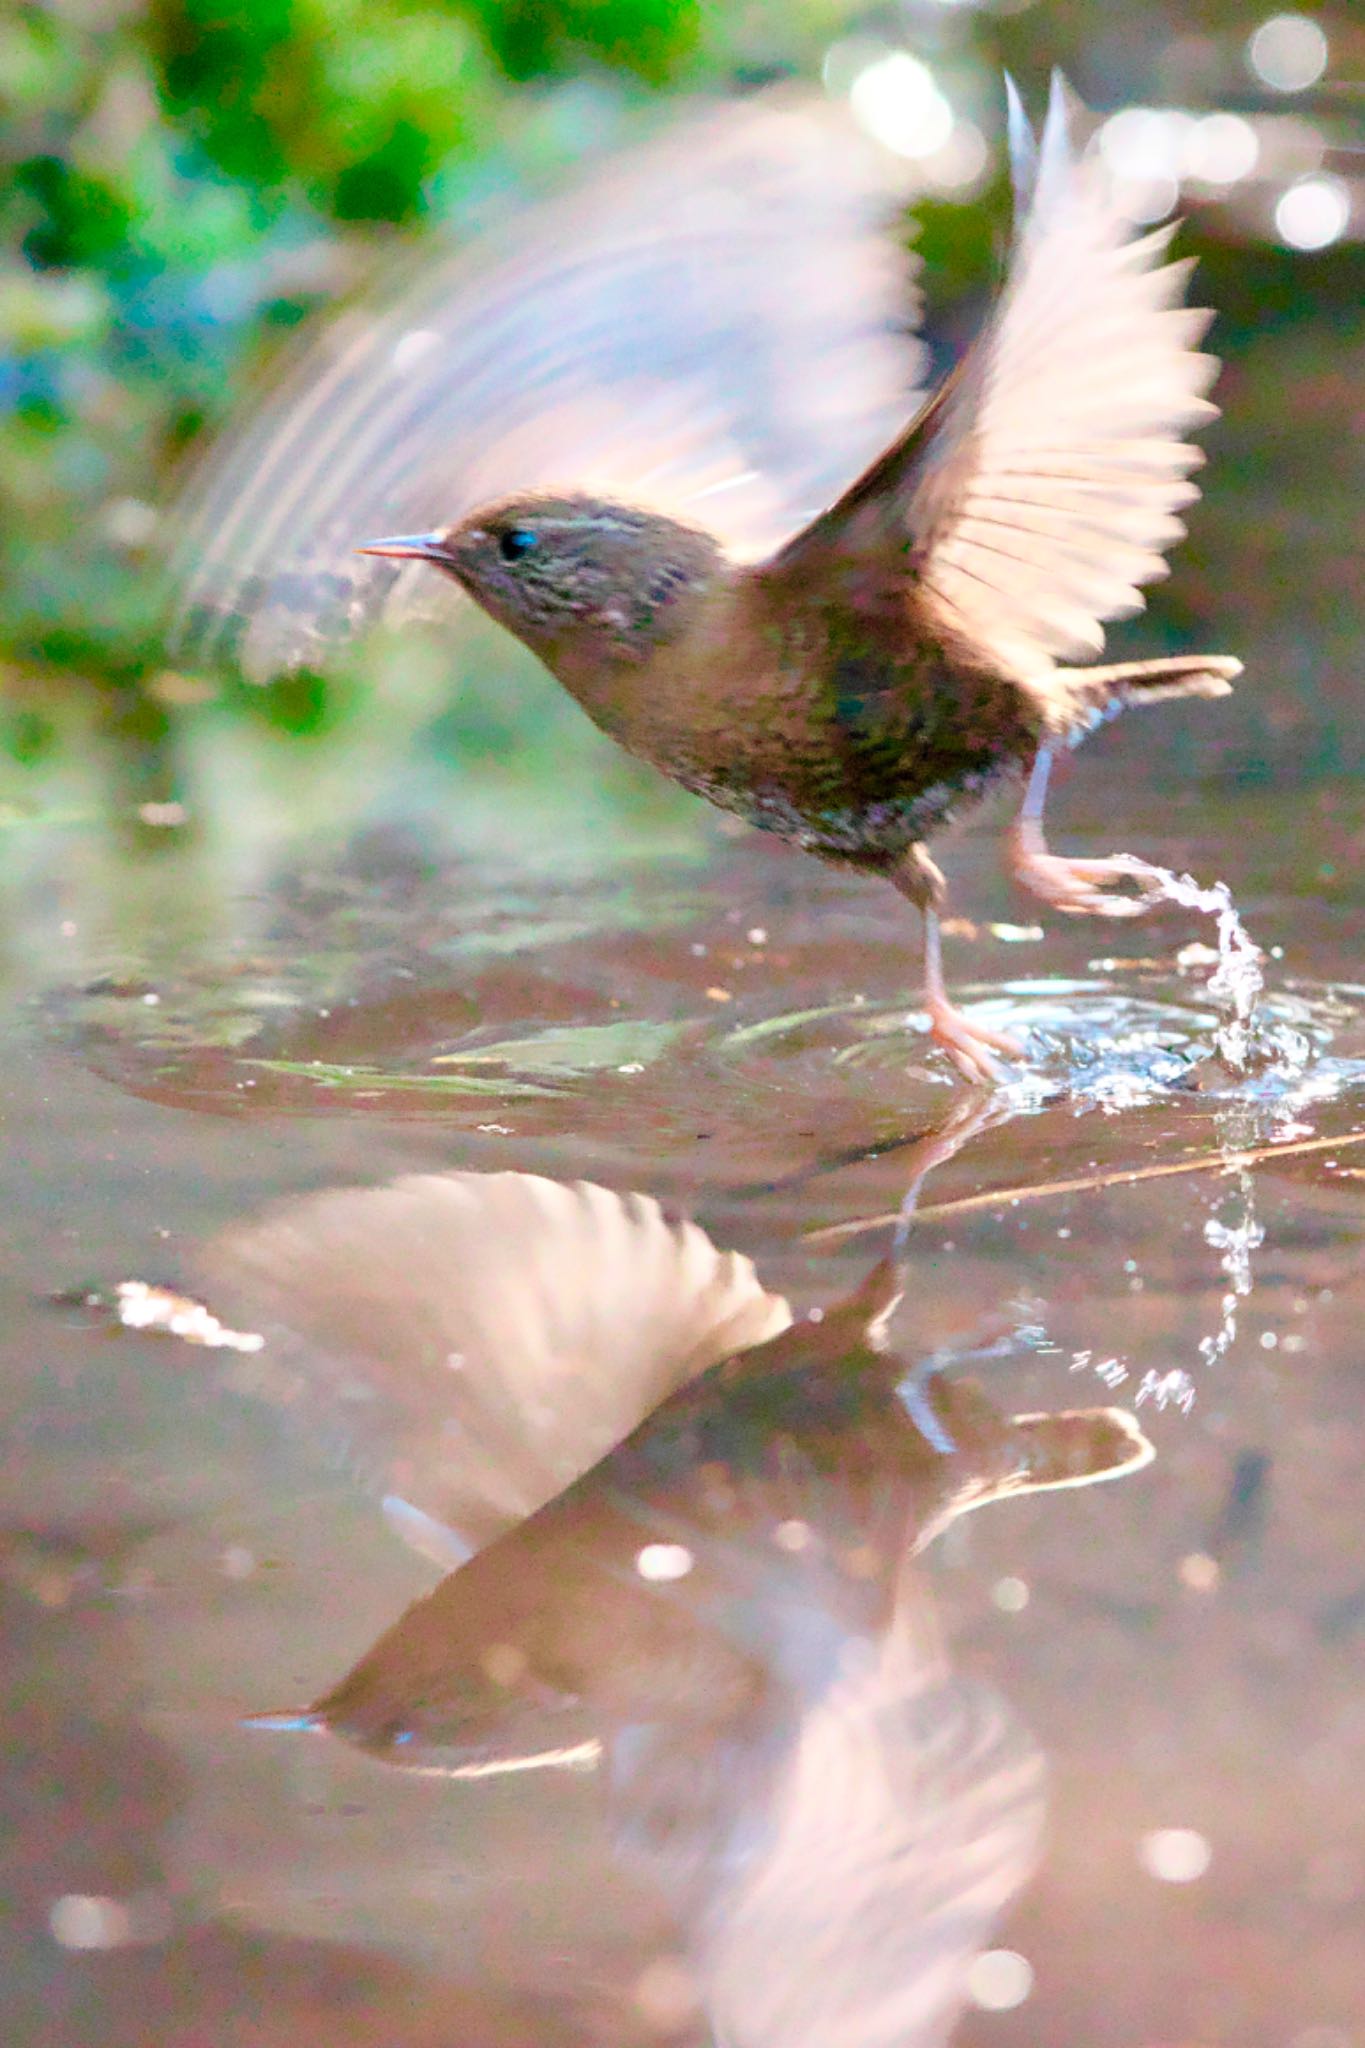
1092	695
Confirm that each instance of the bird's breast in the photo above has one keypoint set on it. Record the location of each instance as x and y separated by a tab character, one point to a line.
814	728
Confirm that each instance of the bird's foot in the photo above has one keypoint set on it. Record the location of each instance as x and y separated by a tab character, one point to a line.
1086	888
974	1049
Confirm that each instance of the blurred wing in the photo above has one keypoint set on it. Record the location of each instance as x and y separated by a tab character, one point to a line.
1040	489
909	1816
714	324
471	1343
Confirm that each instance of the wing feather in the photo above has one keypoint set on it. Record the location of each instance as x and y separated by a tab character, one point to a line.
1077	400
716	317
1039	490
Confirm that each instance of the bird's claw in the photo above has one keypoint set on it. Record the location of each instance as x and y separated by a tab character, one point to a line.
972	1048
1084	888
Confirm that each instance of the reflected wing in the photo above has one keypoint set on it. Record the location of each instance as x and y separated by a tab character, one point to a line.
1040	490
714	324
906	1820
472	1343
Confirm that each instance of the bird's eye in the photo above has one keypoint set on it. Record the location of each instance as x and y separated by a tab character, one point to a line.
516	542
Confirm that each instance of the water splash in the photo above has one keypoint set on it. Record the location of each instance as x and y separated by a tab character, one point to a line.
1236	1239
1166	1388
1237	981
1112	1371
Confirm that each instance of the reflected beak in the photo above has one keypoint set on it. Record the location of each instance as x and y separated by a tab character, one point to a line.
418	547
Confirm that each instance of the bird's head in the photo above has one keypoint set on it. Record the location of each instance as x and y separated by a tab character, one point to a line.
579	580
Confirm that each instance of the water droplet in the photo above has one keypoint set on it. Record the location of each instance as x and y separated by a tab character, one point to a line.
86	1920
411	348
504	1663
1164	1388
999	1980
662	1562
1175	1855
666	1994
1199	1572
896	100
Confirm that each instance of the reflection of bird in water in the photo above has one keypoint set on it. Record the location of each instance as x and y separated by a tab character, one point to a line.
905	649
470	1343
721	1616
653	1588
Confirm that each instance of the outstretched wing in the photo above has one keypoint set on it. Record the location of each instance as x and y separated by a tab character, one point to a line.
714	323
471	1343
1039	490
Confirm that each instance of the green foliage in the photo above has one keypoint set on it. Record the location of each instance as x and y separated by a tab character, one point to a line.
647	37
349	105
178	180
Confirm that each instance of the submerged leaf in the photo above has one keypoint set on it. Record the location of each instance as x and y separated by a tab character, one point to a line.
372	1080
572	1048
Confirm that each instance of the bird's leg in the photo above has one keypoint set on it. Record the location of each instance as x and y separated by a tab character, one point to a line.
970	1115
973	1113
972	1048
1077	887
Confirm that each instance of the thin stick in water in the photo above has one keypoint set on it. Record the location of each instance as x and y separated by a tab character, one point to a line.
1036	1191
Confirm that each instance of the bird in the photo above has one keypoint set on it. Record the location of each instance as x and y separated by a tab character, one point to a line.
911	646
714	325
724	1626
679	1528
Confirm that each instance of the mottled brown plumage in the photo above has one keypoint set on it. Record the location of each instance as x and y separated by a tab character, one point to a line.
670	367
905	650
804	704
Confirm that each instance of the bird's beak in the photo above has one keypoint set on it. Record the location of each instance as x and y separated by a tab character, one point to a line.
417	547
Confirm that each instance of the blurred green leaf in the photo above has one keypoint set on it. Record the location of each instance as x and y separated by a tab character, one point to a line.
574	1049
375	1080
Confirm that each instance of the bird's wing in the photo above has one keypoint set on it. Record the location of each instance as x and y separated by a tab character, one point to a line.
1039	489
904	1821
470	1343
714	323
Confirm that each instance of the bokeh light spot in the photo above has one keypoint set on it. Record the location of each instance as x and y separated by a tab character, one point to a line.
1175	1855
661	1562
1288	53
1221	149
1313	214
999	1980
897	102
1010	1595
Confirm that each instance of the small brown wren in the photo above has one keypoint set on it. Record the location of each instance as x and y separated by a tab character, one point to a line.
903	652
714	325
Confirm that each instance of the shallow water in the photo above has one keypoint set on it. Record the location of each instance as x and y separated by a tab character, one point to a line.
207	1024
